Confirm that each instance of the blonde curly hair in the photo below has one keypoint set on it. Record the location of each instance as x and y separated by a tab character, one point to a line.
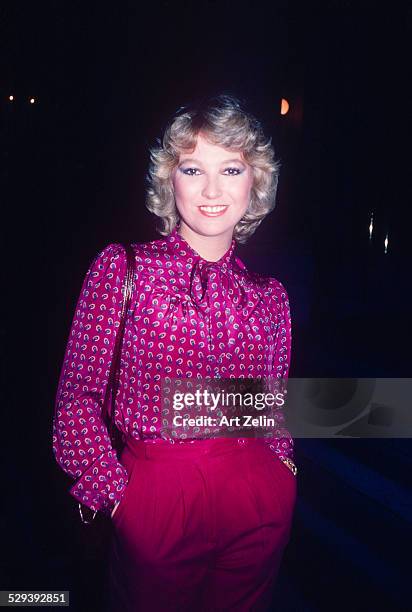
224	122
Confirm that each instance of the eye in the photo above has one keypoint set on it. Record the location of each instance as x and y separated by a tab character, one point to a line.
188	171
237	171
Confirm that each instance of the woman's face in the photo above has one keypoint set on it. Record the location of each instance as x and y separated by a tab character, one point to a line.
208	181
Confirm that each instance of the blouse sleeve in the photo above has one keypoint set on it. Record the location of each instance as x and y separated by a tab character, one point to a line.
81	444
280	441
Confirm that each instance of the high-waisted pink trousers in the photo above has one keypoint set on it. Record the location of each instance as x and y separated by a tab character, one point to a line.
201	527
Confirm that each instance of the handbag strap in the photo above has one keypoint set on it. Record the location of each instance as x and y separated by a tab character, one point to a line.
114	369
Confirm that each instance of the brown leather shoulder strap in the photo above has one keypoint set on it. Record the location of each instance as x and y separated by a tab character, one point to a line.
113	381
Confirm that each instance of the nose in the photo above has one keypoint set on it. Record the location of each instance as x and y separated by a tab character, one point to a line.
211	189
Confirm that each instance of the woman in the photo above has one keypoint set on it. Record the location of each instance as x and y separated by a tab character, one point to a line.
200	522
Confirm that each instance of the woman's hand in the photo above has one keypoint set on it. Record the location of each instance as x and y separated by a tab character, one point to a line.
115	508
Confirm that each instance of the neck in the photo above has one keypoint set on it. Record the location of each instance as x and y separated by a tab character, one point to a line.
211	248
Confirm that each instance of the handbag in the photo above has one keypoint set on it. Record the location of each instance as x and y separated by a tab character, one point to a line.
117	438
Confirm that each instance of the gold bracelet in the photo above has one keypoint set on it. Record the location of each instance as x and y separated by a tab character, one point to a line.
290	464
114	508
82	517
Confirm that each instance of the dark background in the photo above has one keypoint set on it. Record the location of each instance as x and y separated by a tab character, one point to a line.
106	77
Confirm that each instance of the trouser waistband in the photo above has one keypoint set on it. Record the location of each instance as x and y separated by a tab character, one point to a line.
164	449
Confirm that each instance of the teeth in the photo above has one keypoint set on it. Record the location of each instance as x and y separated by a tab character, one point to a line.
212	208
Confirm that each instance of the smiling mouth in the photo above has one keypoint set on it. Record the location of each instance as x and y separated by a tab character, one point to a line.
213	210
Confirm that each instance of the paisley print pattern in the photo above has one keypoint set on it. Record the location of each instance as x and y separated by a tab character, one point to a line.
189	317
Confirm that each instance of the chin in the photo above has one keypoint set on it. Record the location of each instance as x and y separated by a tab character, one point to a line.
209	226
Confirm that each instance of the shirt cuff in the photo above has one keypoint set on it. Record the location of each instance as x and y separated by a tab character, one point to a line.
99	488
281	444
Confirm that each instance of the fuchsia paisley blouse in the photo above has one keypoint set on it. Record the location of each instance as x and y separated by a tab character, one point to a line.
189	317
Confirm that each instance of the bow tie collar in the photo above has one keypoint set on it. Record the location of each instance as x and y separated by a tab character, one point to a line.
219	286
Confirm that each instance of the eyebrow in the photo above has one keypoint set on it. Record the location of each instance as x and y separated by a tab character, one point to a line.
226	161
